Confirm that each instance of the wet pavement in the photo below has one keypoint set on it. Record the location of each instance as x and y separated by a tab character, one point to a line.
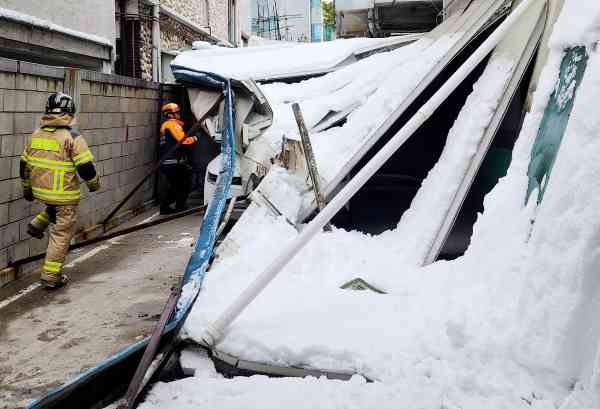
115	296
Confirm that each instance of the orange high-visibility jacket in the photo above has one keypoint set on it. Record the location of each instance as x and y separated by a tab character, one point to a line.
171	132
52	157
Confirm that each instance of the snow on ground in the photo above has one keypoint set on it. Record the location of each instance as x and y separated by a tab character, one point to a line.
511	324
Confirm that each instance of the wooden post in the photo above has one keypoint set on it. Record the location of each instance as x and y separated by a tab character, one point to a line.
311	163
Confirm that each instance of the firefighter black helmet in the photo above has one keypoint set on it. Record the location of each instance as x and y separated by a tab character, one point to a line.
59	103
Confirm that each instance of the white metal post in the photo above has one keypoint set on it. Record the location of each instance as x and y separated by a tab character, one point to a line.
214	331
156	51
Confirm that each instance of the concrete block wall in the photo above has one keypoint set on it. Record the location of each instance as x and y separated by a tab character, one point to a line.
118	116
119	119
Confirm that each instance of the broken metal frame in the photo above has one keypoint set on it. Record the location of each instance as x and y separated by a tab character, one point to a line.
311	162
488	13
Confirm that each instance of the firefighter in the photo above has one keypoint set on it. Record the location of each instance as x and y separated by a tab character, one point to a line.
53	157
175	164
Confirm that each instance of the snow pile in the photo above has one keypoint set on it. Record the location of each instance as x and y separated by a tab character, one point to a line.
35	21
511	324
278	60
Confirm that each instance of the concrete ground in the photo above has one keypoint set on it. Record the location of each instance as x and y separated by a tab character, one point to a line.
115	296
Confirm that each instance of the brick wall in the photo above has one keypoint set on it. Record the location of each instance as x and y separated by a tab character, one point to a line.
118	116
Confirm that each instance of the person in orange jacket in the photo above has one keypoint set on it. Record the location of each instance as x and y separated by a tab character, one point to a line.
175	164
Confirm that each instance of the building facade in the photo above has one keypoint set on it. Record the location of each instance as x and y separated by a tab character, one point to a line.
287	20
135	38
150	32
60	33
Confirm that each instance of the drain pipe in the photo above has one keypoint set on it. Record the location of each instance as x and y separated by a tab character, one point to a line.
214	331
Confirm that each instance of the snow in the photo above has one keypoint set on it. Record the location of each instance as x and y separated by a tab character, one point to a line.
35	21
371	88
511	324
281	59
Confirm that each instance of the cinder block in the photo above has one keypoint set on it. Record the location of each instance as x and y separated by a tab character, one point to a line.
25	122
6	123
117	120
108	167
5	190
84	88
87	103
16	189
5	168
7	80
23	235
20	142
26	82
21	250
116	150
9	234
118	135
18	210
83	120
3	258
42	84
55	85
36	101
15	166
3	214
105	152
14	100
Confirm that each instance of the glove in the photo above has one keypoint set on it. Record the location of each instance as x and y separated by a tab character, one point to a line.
27	191
93	184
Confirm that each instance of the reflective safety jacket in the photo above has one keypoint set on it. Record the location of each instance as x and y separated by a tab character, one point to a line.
171	132
51	160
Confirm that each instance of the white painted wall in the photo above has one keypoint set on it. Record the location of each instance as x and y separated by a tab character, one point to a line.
342	5
88	16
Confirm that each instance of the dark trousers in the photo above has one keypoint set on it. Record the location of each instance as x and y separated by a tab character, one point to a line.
178	178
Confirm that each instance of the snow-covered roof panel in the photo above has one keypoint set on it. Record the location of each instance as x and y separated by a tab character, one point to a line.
281	60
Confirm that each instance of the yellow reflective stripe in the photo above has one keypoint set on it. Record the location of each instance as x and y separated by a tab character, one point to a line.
50	161
69	194
83	157
61	181
42	217
25	158
53	266
55	181
49	164
45	144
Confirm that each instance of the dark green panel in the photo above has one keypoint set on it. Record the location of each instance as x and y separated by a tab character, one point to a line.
555	120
